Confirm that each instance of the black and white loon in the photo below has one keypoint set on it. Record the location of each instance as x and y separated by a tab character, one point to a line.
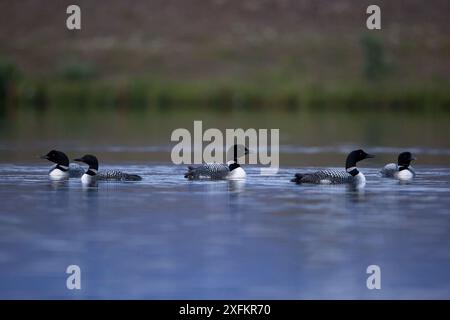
92	174
62	168
332	176
402	170
219	171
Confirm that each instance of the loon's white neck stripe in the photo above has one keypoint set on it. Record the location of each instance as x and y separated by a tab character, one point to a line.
350	169
93	170
63	167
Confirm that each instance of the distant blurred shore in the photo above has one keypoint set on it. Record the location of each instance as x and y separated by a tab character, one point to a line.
292	54
219	95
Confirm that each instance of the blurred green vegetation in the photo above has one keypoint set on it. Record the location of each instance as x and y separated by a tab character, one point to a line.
9	76
76	85
151	93
375	63
77	71
286	54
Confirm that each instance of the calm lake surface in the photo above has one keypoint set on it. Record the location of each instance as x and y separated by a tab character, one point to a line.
264	238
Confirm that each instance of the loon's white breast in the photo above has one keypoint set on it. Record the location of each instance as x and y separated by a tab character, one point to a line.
359	180
87	179
58	174
404	175
236	174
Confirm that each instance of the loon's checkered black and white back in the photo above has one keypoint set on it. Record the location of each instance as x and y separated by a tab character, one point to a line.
75	170
331	176
218	171
116	175
92	173
351	173
389	170
214	171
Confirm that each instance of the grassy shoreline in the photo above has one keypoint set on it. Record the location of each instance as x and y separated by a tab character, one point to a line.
222	95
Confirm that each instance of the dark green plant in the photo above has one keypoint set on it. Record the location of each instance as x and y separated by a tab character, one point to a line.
375	63
9	75
77	71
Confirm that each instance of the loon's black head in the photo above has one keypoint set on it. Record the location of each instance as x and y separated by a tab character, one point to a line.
90	160
405	158
57	157
356	156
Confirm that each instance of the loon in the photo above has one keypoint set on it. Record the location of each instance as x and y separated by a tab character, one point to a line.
332	176
91	175
402	170
218	171
62	169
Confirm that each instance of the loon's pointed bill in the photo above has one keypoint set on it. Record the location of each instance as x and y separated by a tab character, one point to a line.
351	174
92	174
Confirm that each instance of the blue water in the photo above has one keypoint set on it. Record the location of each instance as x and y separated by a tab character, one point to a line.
265	238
